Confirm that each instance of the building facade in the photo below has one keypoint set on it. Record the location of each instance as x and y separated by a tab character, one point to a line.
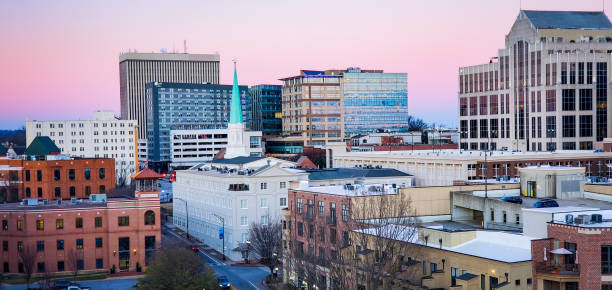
547	89
176	106
190	147
138	69
102	137
324	106
265	109
90	235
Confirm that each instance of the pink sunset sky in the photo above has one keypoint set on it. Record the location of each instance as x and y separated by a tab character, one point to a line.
59	59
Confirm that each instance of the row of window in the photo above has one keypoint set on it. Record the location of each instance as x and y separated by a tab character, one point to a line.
58	191
40	245
149	219
321	209
61	266
57	174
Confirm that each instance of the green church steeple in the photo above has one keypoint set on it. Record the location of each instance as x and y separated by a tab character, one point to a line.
236	106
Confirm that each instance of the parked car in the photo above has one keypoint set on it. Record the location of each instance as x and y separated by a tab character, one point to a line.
62	284
546	203
512	199
224	283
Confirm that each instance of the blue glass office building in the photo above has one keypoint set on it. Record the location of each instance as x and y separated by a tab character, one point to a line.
374	100
265	107
175	106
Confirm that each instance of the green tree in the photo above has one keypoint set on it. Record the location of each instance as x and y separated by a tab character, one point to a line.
178	268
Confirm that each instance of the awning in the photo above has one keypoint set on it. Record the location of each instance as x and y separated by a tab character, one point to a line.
466	276
561	251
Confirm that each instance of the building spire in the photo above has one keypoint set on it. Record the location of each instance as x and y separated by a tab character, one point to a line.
236	106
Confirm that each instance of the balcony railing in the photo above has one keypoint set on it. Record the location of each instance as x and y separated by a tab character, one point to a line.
564	269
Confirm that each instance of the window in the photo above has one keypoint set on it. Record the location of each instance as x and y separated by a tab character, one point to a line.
492	215
28	192
264	220
244	221
87	173
56	175
568	100
264	185
585	99
27	175
102	173
19	246
238	187
124	221
40	225
40	267
87	190
5	225
40	246
38	175
39	192
263	203
569	126
79	223
99	243
99	263
149	217
5	246
98	222
586	126
58	192
606	259
102	189
59	224
20	225
60	266
71	174
300	229
299	205
6	267
243	204
60	244
518	219
283	201
321	208
72	191
345	213
80	264
79	243
283	184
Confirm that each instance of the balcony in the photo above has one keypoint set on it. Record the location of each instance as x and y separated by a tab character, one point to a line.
560	273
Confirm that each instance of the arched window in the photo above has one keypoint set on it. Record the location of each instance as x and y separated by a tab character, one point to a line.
149	217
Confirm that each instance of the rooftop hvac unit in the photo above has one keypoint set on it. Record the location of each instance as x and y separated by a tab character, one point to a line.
32	201
97	197
596	218
74	200
569	219
584	218
579	220
45	202
59	202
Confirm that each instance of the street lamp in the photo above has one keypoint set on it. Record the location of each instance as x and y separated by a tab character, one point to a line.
187	213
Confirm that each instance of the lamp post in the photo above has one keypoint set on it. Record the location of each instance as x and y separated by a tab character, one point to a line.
187	214
222	219
248	242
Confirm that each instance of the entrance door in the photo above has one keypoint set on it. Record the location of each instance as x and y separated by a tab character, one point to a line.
531	189
493	282
124	254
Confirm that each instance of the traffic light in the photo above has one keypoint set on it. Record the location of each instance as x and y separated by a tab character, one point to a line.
195	249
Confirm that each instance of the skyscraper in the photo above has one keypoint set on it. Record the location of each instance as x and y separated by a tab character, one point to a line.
546	90
137	69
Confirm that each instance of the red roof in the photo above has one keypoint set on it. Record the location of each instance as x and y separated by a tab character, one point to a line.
146	174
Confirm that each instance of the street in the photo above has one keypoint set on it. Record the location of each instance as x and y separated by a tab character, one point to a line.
108	284
239	276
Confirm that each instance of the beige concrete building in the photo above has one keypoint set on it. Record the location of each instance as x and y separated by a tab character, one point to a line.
443	167
547	89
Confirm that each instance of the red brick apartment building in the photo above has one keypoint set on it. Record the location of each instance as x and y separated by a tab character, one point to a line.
45	174
91	235
577	253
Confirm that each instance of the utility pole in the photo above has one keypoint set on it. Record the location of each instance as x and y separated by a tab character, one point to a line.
222	219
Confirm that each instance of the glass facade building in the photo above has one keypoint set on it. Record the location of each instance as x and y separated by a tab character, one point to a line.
374	100
175	106
265	107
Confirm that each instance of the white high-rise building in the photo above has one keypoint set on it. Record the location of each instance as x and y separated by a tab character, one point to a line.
105	136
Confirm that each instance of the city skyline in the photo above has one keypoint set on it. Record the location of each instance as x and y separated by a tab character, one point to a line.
70	50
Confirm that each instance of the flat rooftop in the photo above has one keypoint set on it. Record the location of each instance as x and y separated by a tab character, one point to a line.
53	204
358	189
606	222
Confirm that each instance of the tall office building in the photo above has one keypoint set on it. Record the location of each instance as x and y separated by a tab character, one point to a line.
174	106
265	109
137	69
326	106
546	90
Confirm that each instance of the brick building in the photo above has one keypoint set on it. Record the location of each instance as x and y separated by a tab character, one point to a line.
45	174
577	253
91	235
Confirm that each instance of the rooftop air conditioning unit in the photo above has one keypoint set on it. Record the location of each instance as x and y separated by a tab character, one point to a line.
569	219
45	202
585	218
74	200
596	218
32	201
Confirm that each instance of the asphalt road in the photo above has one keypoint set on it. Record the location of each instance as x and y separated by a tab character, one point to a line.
108	284
240	277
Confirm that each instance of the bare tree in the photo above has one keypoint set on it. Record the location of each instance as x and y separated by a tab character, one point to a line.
74	257
27	256
46	281
266	242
